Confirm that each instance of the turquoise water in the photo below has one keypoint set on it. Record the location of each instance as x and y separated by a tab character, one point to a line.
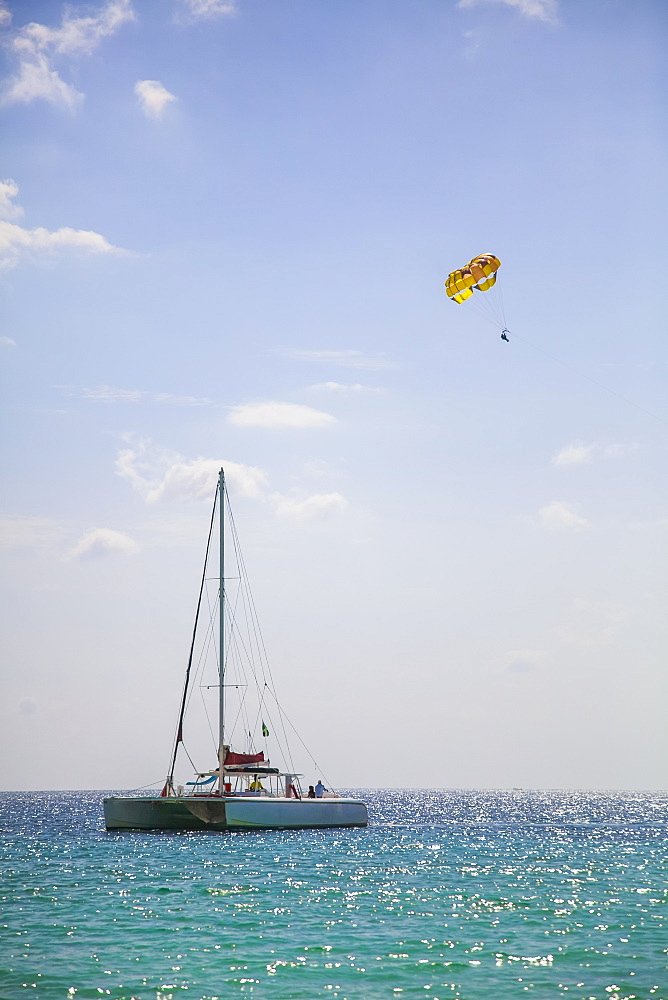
447	894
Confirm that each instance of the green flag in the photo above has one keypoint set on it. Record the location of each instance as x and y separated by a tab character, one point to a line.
265	731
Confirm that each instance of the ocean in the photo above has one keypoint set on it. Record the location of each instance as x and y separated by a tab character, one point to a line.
467	894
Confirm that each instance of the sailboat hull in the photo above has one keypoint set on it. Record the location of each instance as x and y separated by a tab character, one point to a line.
234	813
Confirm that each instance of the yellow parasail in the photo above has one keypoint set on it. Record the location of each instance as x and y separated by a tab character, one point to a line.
479	273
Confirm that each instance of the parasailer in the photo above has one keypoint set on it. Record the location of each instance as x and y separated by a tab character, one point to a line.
478	275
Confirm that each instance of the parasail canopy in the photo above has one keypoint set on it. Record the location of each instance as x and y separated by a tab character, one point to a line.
479	273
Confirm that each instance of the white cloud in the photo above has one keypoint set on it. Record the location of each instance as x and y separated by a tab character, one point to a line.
15	240
340	387
161	476
103	542
153	98
557	515
246	480
35	80
43	533
523	661
275	415
210	8
137	465
343	359
581	454
8	210
196	480
574	454
36	46
544	10
7	342
316	506
5	15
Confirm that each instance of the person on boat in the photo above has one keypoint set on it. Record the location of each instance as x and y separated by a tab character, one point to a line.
256	785
311	792
320	789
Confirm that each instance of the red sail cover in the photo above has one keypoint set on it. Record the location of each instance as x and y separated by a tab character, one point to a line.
243	758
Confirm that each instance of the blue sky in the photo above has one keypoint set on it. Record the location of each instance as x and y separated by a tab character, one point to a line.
225	231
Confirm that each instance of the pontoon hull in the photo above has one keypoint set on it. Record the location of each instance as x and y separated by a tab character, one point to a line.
234	813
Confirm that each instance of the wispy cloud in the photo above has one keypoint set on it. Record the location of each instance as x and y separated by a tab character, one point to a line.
107	393
279	415
621	450
160	476
28	532
112	394
657	522
153	98
37	47
591	622
343	359
210	8
7	342
316	506
542	10
340	387
103	542
173	400
557	515
16	241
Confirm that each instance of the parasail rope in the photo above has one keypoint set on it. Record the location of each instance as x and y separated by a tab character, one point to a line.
601	385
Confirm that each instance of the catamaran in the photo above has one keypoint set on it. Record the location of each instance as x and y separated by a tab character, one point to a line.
244	790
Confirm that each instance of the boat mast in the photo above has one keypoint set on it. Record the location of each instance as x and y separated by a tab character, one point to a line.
221	635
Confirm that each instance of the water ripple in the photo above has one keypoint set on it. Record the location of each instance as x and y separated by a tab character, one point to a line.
447	894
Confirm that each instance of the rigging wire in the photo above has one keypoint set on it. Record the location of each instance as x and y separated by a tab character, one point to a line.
199	670
245	653
283	713
179	730
257	631
185	750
